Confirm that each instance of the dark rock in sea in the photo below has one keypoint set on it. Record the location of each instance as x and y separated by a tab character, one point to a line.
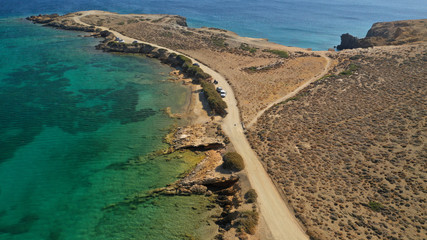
181	21
348	42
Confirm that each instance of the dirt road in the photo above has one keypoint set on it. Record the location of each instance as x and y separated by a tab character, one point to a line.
274	210
295	92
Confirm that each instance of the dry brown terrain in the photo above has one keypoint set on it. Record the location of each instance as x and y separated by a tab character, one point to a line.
350	150
221	50
255	90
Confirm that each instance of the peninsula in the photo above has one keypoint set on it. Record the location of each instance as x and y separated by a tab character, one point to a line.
319	156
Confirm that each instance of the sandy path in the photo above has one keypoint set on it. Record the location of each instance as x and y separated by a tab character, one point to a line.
274	210
295	92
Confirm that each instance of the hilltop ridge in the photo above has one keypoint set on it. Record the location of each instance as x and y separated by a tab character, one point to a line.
388	33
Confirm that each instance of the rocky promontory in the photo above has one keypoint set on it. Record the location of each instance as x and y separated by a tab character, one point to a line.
388	33
56	21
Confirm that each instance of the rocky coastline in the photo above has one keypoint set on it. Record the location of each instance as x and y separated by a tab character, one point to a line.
224	187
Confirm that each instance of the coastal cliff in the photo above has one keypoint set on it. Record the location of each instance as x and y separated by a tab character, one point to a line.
388	33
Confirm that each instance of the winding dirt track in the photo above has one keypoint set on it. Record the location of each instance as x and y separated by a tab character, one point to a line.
279	219
295	92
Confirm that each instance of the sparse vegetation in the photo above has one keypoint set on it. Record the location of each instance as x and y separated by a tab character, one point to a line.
187	33
219	42
280	53
129	21
100	22
233	161
248	221
375	206
251	196
375	118
252	69
121	23
351	68
296	98
166	34
327	76
246	47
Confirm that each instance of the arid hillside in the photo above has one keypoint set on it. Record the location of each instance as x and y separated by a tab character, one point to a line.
350	150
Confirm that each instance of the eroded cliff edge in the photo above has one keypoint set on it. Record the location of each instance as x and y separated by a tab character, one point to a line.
388	33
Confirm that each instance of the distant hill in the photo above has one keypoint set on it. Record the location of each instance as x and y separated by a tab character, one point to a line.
388	33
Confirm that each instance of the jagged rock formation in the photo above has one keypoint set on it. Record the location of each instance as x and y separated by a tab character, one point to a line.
388	33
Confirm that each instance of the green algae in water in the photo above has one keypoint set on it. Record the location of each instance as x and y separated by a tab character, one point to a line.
68	112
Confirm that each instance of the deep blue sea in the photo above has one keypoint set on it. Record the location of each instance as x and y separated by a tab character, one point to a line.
71	117
315	24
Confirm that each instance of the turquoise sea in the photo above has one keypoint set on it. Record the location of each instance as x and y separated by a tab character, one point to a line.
72	117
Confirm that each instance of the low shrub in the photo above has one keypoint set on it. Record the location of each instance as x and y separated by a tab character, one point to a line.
219	42
233	161
282	54
350	70
248	221
375	206
246	47
251	196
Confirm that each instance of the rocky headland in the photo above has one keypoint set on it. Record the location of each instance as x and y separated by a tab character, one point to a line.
388	33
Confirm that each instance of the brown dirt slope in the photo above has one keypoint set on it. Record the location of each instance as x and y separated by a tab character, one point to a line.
350	150
398	32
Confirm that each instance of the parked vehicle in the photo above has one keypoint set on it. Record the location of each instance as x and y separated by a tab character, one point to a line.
219	89
135	42
215	82
196	64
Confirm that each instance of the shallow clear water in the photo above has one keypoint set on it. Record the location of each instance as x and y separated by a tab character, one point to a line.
70	117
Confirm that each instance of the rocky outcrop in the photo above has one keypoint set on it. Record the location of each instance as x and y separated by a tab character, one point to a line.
43	19
54	20
388	33
181	21
348	42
